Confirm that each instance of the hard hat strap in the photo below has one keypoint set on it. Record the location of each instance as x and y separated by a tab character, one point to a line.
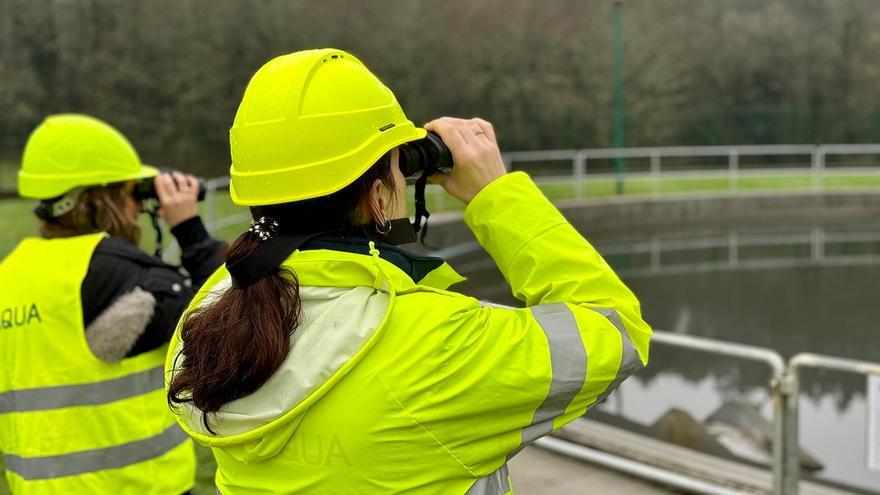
421	207
53	208
154	220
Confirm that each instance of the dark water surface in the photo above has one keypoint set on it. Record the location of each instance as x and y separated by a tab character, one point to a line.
788	288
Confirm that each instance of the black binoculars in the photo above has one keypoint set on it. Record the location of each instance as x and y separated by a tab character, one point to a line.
146	188
428	154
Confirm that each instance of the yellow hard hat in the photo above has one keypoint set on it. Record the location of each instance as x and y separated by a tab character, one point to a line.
309	124
67	151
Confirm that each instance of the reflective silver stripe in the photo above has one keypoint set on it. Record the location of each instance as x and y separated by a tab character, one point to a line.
630	362
88	461
87	394
568	361
496	483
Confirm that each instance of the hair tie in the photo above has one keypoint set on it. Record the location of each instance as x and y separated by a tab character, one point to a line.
266	228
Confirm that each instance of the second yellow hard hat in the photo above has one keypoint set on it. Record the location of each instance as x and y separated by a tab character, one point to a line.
309	124
67	151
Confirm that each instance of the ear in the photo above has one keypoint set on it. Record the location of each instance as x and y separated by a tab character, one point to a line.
378	203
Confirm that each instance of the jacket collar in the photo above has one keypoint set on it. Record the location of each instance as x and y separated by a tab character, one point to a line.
344	261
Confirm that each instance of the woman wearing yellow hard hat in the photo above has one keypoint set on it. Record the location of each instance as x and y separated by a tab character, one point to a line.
85	318
322	359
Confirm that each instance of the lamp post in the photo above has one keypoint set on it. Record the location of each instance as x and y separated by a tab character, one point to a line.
619	164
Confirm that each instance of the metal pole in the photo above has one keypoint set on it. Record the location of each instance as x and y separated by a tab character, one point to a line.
655	170
677	480
619	165
786	455
733	250
733	166
786	468
210	193
580	172
818	166
656	250
817	244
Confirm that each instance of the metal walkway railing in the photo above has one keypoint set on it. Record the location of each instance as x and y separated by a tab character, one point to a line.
784	390
813	161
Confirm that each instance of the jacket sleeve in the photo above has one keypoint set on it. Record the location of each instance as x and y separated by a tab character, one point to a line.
201	254
505	377
118	268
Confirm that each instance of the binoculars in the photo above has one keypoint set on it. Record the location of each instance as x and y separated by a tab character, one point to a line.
146	189
428	155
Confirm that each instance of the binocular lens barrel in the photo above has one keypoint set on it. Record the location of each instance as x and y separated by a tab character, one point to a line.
146	189
428	154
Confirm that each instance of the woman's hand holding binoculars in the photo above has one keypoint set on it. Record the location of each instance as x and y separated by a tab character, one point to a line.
475	154
178	194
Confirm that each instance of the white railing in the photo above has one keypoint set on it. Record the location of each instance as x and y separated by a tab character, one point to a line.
819	243
811	160
784	390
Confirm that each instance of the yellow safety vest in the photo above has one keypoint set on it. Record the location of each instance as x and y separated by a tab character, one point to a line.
443	390
69	422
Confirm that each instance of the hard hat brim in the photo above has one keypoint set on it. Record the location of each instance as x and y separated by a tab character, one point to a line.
323	178
45	186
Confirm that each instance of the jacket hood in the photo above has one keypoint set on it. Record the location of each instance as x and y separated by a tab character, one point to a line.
338	325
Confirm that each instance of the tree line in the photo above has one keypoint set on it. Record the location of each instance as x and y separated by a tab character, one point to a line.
170	73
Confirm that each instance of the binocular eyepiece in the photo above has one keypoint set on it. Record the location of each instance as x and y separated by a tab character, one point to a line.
145	189
428	154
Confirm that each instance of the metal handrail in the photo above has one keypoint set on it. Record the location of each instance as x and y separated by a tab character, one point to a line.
768	356
818	155
760	354
788	477
818	240
579	158
811	360
634	468
784	392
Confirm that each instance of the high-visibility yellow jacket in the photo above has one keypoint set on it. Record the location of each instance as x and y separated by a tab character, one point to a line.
395	385
69	422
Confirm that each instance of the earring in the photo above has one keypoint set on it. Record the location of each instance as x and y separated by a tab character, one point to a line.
381	232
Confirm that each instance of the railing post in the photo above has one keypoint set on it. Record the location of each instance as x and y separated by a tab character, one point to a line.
656	251
817	244
655	170
733	168
733	250
818	167
579	165
210	193
786	454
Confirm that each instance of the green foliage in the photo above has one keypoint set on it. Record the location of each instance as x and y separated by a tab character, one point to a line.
170	73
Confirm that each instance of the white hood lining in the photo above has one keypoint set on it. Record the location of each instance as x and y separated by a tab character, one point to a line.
336	323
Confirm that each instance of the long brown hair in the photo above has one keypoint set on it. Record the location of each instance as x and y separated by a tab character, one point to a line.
98	209
232	346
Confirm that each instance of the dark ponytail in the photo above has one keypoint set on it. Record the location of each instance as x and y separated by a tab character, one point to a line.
233	346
